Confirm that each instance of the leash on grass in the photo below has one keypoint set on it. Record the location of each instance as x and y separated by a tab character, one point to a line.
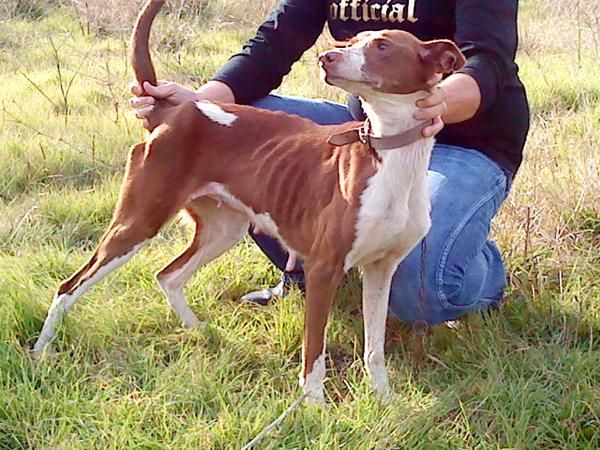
266	430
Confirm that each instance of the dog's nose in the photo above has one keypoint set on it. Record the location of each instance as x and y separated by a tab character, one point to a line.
330	56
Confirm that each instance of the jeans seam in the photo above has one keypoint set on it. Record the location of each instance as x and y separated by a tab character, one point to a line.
441	267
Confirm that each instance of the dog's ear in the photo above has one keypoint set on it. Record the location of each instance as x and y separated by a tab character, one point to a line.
443	55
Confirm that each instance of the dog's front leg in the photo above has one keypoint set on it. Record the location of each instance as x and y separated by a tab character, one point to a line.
377	278
322	280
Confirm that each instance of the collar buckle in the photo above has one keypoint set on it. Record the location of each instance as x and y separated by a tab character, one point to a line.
364	133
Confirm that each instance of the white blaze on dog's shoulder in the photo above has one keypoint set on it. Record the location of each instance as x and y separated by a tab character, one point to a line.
216	113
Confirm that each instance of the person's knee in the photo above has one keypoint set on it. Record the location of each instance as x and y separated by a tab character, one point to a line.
451	289
472	282
434	298
448	292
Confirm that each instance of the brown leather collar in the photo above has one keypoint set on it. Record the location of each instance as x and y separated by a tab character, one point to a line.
363	134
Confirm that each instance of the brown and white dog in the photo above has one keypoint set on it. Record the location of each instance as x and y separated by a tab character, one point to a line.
336	206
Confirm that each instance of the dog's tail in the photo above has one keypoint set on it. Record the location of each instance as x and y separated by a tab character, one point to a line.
140	51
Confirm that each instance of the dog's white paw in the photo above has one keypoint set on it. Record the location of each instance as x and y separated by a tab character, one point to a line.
382	390
40	352
316	399
380	385
387	398
384	393
193	322
378	379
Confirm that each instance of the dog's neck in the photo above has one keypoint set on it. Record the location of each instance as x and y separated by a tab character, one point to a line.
391	114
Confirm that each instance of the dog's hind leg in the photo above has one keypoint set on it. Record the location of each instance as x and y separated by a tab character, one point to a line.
137	218
217	230
116	251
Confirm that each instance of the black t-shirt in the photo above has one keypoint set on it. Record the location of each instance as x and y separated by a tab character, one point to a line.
485	30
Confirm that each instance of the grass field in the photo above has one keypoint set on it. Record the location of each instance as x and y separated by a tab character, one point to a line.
125	375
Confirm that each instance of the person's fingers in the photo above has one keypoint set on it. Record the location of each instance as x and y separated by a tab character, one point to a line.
141	102
135	88
435	128
143	113
432	111
163	90
437	95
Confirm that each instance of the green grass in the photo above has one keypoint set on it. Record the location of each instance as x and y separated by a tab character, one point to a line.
126	375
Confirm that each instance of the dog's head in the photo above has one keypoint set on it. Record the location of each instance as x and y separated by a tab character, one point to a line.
389	61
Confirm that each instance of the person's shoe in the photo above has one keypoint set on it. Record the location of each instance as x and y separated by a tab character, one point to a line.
266	296
452	324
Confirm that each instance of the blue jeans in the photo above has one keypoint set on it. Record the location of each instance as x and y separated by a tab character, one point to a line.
464	271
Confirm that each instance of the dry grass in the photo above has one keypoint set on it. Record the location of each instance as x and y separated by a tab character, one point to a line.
30	9
561	26
185	16
550	226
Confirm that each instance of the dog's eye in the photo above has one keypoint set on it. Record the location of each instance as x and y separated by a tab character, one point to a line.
382	45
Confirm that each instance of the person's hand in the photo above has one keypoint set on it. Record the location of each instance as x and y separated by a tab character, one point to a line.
432	107
173	93
145	99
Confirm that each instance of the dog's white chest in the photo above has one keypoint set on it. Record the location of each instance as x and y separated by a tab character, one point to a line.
388	208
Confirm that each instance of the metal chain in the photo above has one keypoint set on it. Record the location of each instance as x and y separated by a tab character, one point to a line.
421	327
364	132
364	136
